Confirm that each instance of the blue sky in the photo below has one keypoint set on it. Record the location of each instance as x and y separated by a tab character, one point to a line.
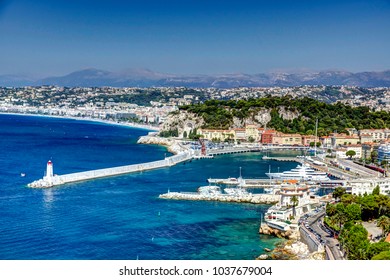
43	38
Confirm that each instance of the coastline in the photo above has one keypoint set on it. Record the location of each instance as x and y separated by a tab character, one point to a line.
281	251
124	124
85	119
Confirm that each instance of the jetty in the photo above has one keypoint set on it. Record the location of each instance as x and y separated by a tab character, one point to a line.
51	180
297	159
233	150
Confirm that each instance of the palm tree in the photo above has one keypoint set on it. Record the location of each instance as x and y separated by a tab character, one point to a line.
294	200
384	223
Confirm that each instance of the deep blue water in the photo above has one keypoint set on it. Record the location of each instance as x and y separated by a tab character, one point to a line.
119	217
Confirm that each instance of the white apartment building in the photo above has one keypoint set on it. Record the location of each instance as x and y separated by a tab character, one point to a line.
376	134
361	186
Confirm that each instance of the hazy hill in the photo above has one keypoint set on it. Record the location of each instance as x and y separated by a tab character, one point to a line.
147	78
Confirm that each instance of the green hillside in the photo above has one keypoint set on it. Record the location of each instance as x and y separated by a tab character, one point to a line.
218	114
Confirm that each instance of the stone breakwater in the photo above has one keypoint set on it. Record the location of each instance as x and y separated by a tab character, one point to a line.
251	198
180	152
50	181
173	145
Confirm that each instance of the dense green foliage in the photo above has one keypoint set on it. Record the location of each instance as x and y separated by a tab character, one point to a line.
144	97
385	255
219	114
346	217
355	242
377	248
169	133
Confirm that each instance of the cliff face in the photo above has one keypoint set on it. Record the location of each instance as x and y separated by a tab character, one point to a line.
183	121
288	114
261	118
186	121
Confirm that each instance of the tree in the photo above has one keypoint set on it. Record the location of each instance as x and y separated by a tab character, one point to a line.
356	242
348	198
374	156
384	223
376	190
353	212
377	248
338	192
341	214
369	207
330	209
350	153
185	134
251	139
385	255
294	201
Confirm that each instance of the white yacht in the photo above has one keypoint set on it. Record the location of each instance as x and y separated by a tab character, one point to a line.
236	191
301	172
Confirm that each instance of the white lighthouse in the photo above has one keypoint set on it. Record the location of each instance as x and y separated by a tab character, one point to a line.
49	172
49	169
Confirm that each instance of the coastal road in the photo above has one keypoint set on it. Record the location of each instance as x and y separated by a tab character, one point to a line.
315	222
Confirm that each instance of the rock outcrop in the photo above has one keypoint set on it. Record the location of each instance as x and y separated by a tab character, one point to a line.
183	121
295	250
263	117
289	234
172	144
288	114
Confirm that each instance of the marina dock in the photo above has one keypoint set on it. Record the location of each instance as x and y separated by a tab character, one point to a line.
269	183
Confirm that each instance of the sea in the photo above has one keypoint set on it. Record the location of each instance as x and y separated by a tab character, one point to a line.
118	217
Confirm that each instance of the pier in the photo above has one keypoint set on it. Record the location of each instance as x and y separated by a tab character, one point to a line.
282	158
270	183
50	180
233	150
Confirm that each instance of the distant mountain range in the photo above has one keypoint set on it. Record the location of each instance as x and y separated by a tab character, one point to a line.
148	78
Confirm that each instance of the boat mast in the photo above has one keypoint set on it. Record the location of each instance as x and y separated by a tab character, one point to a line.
315	140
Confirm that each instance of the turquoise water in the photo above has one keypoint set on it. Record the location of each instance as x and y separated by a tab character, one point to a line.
119	217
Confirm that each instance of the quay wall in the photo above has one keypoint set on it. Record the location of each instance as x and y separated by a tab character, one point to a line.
307	238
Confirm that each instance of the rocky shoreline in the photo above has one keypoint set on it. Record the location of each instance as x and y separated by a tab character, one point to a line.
290	248
288	234
172	145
